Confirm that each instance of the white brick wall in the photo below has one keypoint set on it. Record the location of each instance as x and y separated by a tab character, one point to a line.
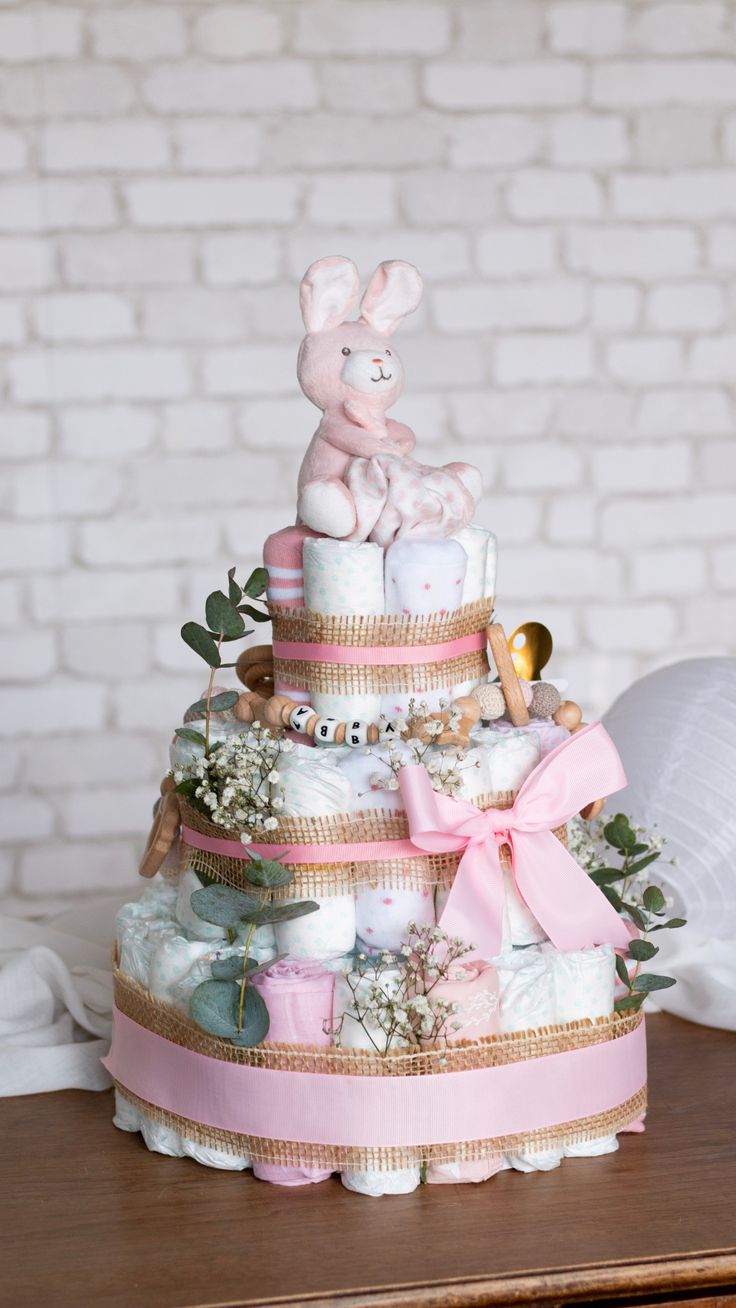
564	174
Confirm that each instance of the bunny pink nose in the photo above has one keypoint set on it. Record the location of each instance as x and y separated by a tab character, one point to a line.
376	360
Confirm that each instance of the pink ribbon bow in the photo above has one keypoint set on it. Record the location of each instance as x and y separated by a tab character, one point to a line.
567	904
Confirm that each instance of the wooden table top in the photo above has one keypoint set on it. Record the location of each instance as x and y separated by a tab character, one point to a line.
91	1218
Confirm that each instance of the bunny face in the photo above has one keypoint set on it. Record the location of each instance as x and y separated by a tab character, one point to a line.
334	365
340	359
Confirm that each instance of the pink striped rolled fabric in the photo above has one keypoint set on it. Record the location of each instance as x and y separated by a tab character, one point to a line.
473	986
298	995
282	559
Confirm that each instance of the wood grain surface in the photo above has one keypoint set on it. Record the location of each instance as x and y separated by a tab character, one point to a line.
91	1219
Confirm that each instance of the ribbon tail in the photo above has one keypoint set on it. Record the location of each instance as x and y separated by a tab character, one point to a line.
567	904
476	903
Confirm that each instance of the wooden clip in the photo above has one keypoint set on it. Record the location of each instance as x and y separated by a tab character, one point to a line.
517	709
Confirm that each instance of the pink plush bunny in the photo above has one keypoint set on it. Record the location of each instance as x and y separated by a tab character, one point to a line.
349	371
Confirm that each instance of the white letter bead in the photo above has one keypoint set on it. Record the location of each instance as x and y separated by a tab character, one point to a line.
324	732
299	717
356	733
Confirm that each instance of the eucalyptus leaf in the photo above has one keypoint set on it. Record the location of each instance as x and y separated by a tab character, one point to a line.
231	969
257	615
673	923
653	899
221	616
214	1007
636	916
201	642
255	1020
256	583
641	863
648	981
602	875
278	912
187	787
612	897
628	1002
621	968
641	950
188	733
224	906
618	832
264	872
234	592
225	700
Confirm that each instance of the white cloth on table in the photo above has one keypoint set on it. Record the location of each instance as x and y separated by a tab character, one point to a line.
324	934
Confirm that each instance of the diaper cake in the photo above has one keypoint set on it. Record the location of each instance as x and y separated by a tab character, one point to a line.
366	947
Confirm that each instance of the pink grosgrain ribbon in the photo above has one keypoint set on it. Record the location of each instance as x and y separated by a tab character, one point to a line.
378	655
567	904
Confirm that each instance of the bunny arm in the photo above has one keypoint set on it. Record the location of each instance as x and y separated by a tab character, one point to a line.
401	436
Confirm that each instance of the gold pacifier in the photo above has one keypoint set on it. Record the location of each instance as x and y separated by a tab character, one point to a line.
530	647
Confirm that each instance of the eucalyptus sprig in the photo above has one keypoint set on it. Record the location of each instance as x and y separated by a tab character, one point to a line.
628	888
226	1005
225	623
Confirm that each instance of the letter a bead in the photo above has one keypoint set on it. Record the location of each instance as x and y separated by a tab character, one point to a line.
299	717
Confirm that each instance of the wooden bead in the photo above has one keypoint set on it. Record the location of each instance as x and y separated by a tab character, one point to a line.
373	734
272	712
249	707
569	714
468	706
312	723
592	811
287	711
255	669
579	727
340	733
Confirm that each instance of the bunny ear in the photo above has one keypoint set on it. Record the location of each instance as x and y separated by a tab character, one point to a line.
328	292
394	290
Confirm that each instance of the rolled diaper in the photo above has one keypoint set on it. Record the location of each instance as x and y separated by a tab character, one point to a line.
127	1116
372	1182
161	1139
218	1158
474	773
472	986
313	784
491	566
475	541
511	756
584	982
344	577
171	961
422	577
298	995
141	925
325	934
182	751
354	988
360	766
382	914
283	560
527	1003
185	915
547	732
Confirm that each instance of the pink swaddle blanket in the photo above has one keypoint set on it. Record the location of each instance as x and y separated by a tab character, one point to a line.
397	497
298	994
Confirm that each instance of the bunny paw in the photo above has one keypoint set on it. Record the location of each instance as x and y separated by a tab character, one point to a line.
327	507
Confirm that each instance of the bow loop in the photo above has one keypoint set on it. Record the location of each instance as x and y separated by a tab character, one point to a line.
567	904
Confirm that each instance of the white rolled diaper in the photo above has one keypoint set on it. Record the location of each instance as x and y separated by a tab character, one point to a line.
512	756
325	934
382	914
218	1158
476	541
424	576
527	1003
195	926
398	1180
368	1034
172	960
343	577
313	784
361	765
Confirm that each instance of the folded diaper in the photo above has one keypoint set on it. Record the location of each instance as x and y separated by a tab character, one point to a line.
463	1171
298	995
382	914
511	756
172	960
547	732
343	577
325	934
162	1139
289	1176
424	576
283	560
142	925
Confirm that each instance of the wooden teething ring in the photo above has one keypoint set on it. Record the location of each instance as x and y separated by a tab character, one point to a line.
163	830
255	669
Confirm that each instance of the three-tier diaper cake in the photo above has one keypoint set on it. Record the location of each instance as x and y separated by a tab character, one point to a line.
367	947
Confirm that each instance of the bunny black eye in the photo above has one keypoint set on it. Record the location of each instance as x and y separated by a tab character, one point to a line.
345	349
388	353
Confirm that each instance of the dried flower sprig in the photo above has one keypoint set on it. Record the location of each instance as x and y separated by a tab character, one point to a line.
238	785
391	995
